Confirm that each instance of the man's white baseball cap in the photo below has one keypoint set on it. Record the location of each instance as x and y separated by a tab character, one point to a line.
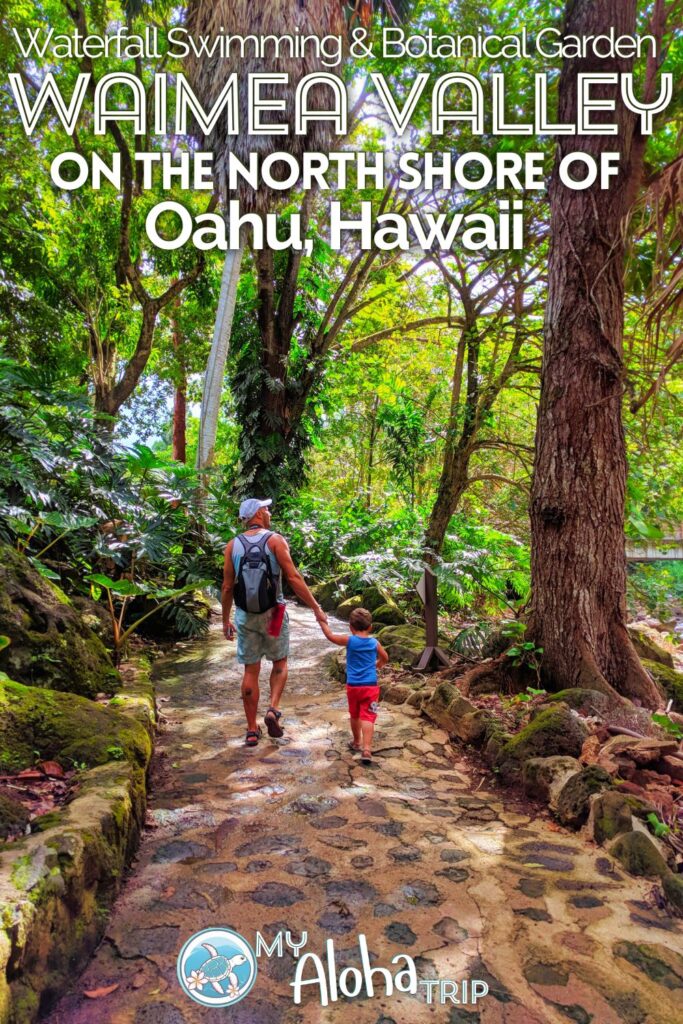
250	506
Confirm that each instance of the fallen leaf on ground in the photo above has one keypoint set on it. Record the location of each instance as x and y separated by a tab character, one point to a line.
52	768
99	993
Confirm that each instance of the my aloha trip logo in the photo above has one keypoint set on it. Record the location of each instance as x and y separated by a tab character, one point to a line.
218	967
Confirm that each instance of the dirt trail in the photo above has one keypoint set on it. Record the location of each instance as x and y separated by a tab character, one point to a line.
297	835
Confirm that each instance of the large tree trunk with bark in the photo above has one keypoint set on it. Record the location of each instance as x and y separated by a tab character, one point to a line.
578	610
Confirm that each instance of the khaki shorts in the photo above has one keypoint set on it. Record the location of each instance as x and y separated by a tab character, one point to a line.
253	640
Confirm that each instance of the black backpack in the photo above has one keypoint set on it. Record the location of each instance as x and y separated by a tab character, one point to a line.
256	586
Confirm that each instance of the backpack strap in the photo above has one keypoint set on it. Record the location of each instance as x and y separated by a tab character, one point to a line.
259	542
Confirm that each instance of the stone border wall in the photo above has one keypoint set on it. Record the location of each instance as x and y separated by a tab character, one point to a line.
57	885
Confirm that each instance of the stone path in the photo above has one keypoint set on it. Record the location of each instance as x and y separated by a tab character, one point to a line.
297	835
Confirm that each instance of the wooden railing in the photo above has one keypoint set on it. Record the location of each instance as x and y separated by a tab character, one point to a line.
666	549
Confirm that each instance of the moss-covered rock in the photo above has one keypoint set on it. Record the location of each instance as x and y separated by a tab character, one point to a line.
672	884
544	777
388	614
494	740
350	604
66	728
374	597
459	717
639	856
669	680
13	818
647	647
403	643
574	799
51	645
437	706
331	593
555	730
57	883
610	816
396	694
588	702
418	697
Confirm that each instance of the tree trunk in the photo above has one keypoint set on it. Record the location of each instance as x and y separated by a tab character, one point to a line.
578	566
371	452
213	381
179	400
453	480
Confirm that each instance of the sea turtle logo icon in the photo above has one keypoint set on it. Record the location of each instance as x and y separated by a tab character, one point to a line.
217	967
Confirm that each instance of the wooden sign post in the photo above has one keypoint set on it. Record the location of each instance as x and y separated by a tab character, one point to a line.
426	588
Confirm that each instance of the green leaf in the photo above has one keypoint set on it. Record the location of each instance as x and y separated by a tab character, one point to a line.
49	574
125	588
666	723
103	581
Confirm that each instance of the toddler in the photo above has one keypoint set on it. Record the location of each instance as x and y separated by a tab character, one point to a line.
364	656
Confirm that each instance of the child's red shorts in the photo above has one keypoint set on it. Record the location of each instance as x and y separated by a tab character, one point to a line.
363	702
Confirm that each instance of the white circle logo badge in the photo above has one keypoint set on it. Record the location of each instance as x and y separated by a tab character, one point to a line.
217	967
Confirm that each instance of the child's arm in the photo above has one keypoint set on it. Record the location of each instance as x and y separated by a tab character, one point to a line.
334	638
382	656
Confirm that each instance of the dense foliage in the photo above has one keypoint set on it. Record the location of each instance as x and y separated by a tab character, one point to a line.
407	383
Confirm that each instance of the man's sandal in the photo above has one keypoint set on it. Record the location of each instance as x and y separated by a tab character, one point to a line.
253	736
272	723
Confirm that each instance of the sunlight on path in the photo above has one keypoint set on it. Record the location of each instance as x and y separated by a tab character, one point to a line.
297	835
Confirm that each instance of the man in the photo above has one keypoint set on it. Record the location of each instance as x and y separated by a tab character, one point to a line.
254	642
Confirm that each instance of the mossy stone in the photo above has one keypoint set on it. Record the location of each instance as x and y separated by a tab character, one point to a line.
350	604
411	636
389	614
330	593
374	598
672	884
670	681
579	699
50	643
436	707
573	800
543	777
13	818
648	649
553	731
611	816
495	739
639	856
66	728
403	643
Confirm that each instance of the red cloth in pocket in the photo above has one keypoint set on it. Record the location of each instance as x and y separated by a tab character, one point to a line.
277	618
